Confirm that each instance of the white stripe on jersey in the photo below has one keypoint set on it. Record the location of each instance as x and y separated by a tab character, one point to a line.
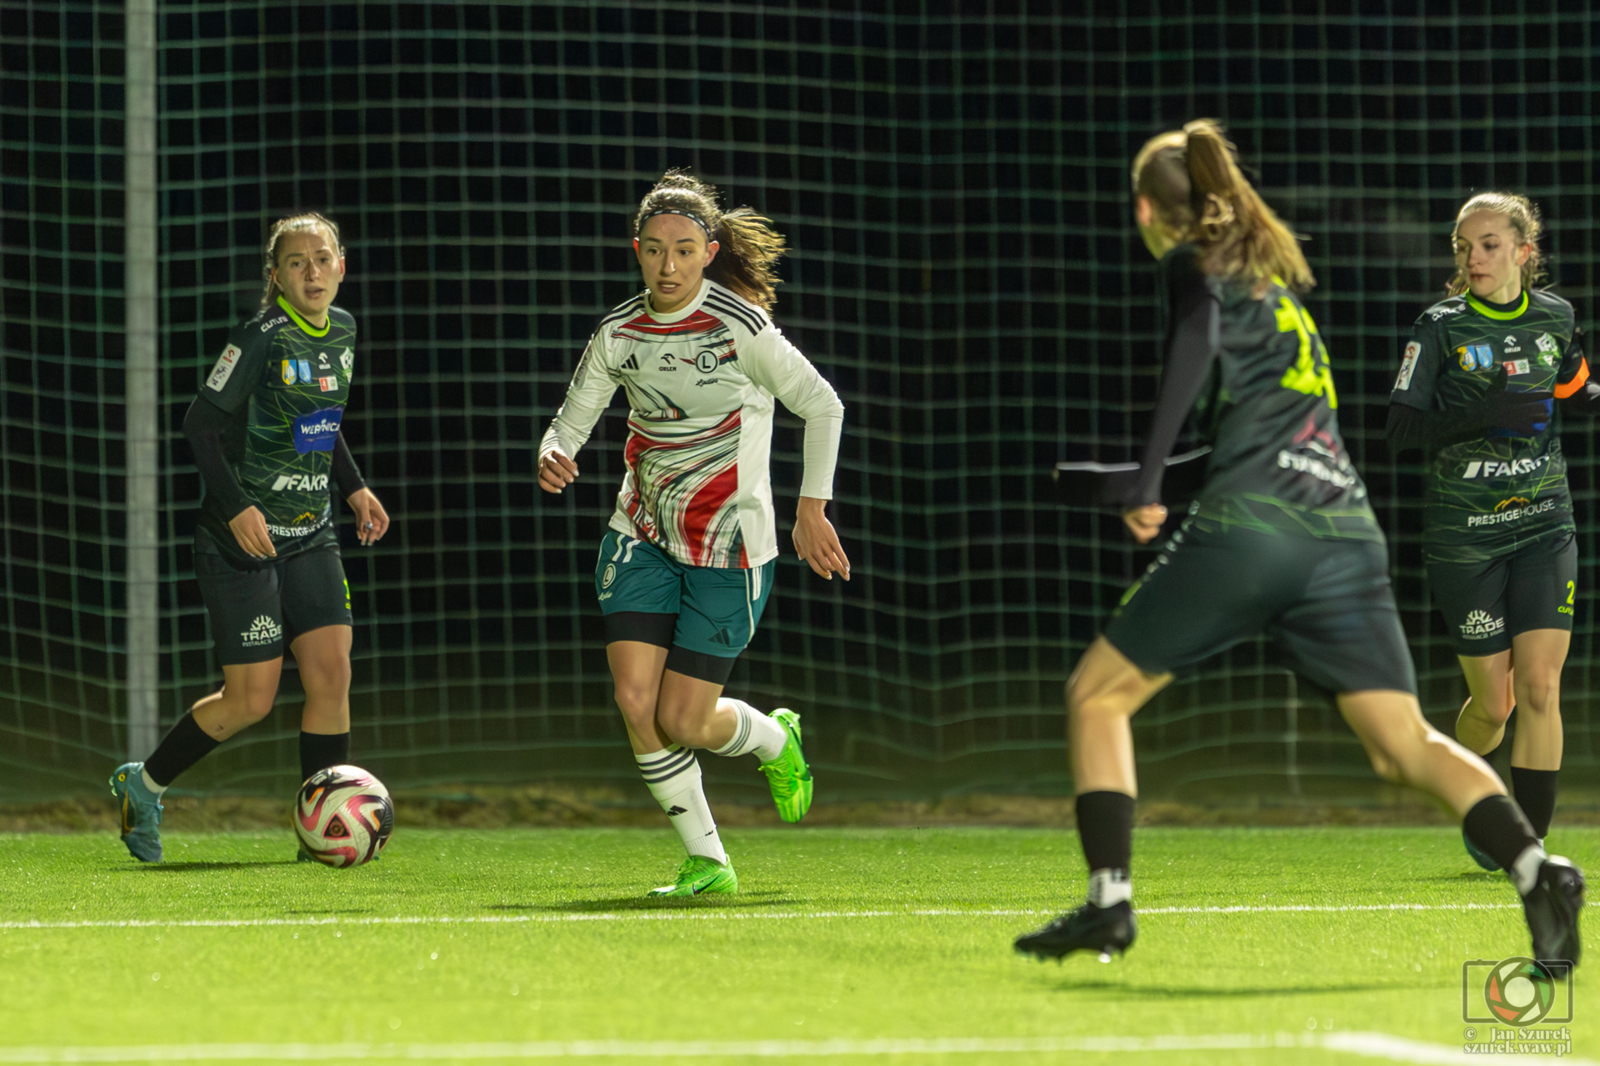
700	384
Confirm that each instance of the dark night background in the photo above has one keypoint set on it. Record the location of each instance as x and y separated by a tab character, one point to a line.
953	179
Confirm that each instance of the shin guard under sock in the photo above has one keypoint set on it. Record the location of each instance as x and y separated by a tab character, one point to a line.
1105	829
184	745
318	751
673	777
1497	826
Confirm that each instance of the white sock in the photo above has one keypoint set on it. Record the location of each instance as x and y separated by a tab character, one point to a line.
149	782
1109	887
1524	873
673	777
755	732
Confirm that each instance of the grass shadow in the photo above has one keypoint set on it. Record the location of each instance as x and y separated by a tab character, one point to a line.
335	910
189	867
1469	877
743	901
1132	991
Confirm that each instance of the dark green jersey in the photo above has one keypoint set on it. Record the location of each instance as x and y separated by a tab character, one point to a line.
1501	489
285	384
1278	462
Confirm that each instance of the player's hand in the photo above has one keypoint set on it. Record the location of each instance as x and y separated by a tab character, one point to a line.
816	542
556	471
372	521
250	530
1145	522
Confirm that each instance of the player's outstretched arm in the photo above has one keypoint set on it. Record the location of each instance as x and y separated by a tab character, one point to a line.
816	541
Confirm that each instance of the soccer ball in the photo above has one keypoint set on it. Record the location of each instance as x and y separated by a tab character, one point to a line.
344	816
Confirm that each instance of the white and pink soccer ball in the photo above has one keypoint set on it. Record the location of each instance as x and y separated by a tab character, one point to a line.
343	816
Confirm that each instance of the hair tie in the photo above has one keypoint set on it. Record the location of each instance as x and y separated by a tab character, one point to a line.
696	219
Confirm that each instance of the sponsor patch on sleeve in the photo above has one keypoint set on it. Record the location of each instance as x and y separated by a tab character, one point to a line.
1408	366
224	368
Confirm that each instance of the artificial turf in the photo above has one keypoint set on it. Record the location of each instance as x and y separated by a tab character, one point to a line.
837	935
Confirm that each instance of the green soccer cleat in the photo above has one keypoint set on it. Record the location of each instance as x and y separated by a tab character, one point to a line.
700	876
788	775
140	812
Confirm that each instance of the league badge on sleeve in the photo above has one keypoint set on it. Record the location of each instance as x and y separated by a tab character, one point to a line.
224	368
1408	366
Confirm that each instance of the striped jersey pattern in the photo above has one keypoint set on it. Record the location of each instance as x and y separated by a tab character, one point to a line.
700	385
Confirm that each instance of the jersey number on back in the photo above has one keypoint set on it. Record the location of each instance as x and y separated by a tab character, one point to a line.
1310	373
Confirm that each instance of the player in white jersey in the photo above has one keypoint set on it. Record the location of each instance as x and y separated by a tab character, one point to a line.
684	574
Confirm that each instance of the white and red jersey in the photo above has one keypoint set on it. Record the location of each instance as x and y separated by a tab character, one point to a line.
700	383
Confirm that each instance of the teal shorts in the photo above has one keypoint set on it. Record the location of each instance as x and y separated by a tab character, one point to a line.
706	615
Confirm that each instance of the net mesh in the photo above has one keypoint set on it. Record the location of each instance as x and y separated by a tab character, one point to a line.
953	179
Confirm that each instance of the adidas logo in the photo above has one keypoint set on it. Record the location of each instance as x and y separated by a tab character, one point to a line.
723	637
630	363
675	810
262	631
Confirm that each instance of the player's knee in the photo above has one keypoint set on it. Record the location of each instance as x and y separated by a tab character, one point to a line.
1538	695
1496	709
637	703
1386	766
1092	701
252	706
686	726
329	678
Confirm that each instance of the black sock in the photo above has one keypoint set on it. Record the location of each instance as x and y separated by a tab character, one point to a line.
1105	828
318	751
184	745
1499	829
1536	795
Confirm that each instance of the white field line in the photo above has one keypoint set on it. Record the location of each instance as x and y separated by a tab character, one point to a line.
1365	1045
716	915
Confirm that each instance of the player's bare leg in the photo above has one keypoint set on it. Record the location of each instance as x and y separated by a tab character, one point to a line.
668	766
1482	721
1406	750
245	698
1539	656
1103	694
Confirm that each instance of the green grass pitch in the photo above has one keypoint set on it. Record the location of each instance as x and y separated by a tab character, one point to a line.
867	945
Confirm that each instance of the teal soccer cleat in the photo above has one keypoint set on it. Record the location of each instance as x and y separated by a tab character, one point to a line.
140	812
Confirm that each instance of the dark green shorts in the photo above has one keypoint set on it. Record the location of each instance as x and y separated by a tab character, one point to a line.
705	614
257	610
1326	603
1485	604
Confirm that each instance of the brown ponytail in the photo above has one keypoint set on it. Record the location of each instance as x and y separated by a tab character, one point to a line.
1193	180
749	246
306	220
1523	215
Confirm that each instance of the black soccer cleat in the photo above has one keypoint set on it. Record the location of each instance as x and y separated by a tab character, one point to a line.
1552	911
1103	930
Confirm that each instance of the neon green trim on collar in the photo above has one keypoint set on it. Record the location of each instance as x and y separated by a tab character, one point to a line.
1499	316
302	323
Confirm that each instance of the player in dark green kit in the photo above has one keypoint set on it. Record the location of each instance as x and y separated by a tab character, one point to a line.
1281	540
1476	393
265	436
